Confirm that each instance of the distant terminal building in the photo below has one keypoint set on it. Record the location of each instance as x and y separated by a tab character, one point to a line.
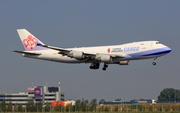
44	94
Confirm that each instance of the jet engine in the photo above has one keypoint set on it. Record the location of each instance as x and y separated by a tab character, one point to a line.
106	58
125	62
78	55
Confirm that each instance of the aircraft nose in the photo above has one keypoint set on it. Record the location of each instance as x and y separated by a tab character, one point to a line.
168	49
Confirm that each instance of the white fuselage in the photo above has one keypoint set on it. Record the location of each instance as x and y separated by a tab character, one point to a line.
115	54
131	51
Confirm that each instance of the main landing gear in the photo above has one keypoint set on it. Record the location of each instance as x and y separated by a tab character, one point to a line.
105	66
96	65
154	62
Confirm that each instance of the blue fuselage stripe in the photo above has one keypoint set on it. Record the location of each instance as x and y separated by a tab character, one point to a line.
158	53
153	52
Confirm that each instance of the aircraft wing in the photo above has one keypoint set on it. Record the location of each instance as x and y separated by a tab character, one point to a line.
66	51
88	55
55	48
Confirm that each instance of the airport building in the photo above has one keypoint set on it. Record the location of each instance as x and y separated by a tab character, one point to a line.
44	94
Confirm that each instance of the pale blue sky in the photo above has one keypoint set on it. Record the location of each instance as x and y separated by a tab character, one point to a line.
79	23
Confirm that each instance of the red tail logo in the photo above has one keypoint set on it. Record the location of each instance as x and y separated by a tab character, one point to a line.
29	42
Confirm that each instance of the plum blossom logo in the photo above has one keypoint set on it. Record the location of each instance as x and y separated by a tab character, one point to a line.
108	50
29	42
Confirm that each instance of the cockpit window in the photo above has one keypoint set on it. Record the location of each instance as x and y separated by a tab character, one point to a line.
157	42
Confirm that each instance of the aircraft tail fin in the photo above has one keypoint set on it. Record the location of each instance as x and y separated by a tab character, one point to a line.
29	41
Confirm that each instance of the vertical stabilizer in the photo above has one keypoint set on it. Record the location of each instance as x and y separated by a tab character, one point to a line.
28	40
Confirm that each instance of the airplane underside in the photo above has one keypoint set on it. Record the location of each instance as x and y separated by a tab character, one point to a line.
95	64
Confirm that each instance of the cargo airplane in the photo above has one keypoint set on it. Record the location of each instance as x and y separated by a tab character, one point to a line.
114	54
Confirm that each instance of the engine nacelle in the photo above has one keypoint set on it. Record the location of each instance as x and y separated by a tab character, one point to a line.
78	55
125	62
106	58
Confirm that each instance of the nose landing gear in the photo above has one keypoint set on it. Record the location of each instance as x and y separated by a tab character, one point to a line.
154	62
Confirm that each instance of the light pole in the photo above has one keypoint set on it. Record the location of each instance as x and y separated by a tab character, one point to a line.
69	108
86	109
101	108
25	109
75	107
61	108
174	96
122	104
111	108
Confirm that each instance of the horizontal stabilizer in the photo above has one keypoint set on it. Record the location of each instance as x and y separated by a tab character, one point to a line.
25	52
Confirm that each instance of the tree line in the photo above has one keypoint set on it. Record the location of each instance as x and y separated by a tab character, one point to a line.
80	105
169	95
29	107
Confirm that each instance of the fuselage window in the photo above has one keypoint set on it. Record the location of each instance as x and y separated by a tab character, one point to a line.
157	42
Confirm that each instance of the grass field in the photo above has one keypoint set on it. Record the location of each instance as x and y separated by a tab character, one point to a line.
140	108
158	108
92	112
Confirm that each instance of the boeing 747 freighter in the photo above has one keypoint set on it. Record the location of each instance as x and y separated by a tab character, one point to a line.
114	54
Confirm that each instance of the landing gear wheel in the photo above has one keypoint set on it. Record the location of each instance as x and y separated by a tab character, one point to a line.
94	66
154	63
90	67
105	66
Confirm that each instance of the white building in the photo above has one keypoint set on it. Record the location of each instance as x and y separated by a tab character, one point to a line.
46	95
